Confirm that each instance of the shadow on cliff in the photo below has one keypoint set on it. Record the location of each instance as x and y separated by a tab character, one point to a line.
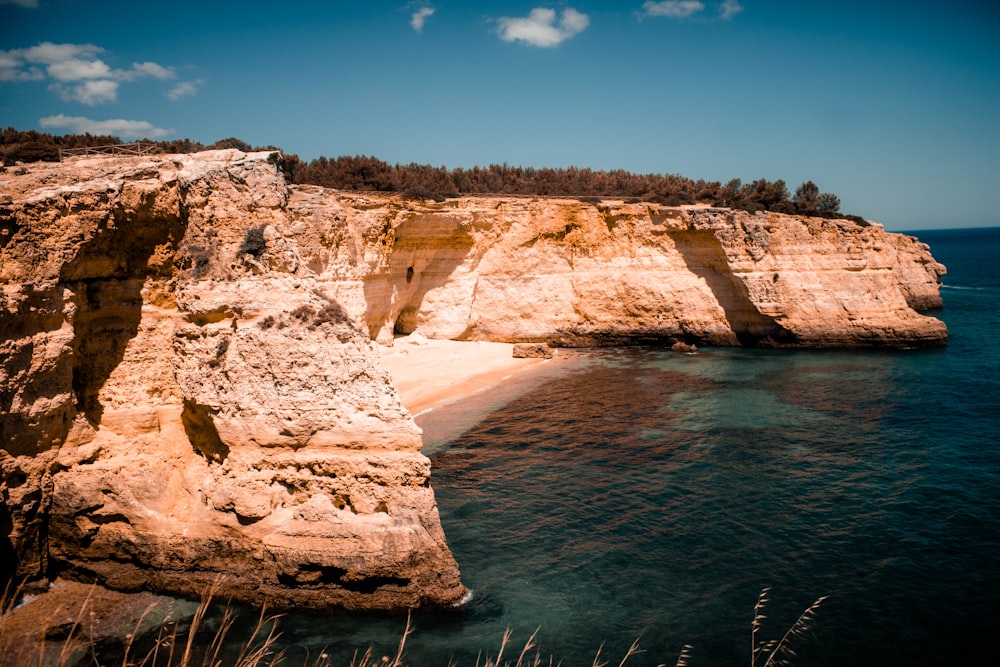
106	316
29	331
201	431
8	555
107	276
425	253
705	257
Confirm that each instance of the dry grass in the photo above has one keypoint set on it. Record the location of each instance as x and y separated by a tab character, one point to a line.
170	646
778	652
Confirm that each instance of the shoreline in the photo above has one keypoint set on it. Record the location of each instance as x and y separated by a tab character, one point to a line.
429	374
449	386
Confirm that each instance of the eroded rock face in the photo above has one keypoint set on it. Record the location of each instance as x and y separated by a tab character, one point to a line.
576	274
183	404
189	387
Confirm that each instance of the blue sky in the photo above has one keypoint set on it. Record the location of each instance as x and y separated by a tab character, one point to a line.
893	106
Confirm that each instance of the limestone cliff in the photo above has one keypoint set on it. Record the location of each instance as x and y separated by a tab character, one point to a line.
572	273
180	405
189	385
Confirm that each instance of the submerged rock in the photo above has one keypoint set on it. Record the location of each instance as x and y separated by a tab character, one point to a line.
532	351
70	622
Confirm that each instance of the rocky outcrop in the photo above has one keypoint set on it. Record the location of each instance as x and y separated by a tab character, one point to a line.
532	351
189	384
183	405
574	274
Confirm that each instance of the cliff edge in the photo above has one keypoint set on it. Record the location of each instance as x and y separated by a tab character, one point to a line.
181	408
572	273
190	390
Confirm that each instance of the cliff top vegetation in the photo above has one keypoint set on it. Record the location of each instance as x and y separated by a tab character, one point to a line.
419	181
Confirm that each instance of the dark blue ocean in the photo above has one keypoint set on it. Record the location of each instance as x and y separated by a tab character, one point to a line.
637	493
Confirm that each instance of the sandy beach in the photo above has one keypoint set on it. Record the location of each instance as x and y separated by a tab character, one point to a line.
430	373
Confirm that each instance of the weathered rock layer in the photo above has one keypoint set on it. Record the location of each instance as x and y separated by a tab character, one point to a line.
182	407
575	274
190	392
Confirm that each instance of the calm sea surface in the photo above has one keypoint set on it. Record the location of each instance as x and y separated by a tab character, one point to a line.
638	493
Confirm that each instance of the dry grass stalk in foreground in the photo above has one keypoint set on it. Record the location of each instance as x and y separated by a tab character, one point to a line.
170	647
778	651
173	648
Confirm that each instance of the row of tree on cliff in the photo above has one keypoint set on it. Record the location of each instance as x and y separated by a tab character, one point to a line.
418	181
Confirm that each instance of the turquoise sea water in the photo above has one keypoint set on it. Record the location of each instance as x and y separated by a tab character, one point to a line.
639	493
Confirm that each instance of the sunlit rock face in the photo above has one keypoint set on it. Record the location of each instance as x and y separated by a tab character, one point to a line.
184	405
574	274
190	390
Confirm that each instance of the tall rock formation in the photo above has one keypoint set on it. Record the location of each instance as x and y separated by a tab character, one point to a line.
182	406
189	384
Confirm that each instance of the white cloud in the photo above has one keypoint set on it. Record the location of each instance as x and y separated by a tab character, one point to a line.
65	62
539	28
151	69
184	89
573	22
95	91
729	9
49	53
79	74
675	9
420	17
12	68
126	129
76	69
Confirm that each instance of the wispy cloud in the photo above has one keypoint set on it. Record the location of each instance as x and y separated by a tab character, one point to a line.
540	28
675	9
78	71
13	68
119	127
420	16
729	9
28	4
150	69
184	89
682	9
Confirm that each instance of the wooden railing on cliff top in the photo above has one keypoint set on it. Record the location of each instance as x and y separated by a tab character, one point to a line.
136	148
